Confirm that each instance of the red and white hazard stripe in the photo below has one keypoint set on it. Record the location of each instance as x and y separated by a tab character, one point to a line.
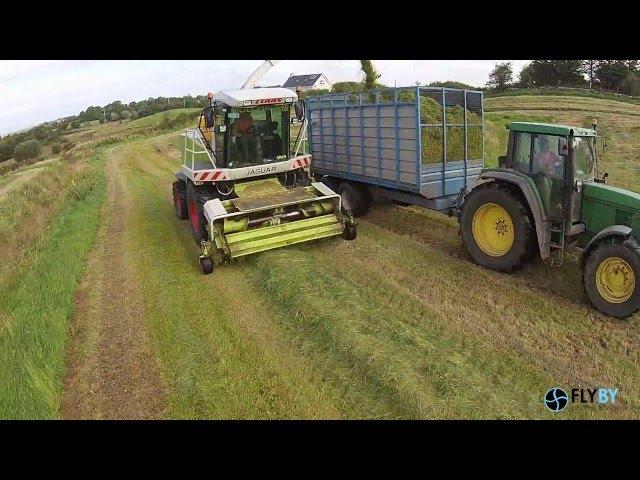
302	162
210	175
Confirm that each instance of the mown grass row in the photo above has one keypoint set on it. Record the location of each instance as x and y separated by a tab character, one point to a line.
36	307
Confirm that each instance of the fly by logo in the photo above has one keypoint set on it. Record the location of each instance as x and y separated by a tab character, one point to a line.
557	400
594	395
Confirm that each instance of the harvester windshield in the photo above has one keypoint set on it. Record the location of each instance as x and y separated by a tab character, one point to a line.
258	135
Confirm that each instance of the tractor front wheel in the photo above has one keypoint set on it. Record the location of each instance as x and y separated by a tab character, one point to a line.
497	229
609	276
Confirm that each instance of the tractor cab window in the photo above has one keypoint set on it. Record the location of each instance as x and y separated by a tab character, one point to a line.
547	170
258	135
521	157
584	155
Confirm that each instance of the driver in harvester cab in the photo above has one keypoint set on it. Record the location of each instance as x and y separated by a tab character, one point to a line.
244	131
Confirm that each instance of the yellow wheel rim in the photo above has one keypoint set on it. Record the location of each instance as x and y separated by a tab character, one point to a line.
493	229
615	280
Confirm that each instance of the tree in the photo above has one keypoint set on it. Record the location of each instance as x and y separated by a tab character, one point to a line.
370	74
28	150
501	76
630	84
611	73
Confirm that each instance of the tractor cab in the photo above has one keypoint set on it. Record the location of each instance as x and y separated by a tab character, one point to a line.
559	159
244	128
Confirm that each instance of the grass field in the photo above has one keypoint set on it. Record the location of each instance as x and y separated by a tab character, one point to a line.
107	314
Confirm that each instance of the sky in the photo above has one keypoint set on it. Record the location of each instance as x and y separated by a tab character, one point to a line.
35	91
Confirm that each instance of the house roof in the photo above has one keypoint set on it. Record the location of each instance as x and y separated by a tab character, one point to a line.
302	80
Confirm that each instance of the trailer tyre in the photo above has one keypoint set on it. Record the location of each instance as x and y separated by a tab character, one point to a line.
610	277
180	200
206	265
196	198
497	229
355	198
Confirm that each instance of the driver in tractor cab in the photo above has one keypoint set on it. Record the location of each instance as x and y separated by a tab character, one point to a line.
246	139
550	174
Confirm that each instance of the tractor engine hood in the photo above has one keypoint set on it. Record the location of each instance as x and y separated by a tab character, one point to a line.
604	205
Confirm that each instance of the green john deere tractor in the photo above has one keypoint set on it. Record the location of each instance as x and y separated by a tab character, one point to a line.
544	198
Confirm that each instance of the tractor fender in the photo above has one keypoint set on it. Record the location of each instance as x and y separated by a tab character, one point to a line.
531	195
620	231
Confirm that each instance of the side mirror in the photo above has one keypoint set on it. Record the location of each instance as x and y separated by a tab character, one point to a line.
209	118
299	109
563	147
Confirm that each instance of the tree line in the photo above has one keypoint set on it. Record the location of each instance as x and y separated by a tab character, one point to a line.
28	143
619	76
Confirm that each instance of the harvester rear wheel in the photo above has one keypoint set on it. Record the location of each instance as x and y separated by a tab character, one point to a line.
611	277
196	198
496	227
180	200
206	265
349	232
355	198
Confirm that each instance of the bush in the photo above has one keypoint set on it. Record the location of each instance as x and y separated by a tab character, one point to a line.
28	150
56	148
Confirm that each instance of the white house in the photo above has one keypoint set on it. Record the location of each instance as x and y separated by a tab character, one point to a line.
315	81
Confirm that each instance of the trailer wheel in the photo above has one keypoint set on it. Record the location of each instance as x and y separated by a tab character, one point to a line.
610	275
179	200
349	232
355	198
196	198
496	227
206	265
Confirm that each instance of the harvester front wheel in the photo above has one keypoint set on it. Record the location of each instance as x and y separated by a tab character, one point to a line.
355	198
496	227
609	276
206	265
180	200
196	198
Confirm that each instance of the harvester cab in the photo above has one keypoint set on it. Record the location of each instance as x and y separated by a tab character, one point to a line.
543	198
242	185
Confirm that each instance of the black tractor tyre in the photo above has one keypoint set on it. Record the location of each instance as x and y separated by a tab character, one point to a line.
196	198
627	250
180	200
350	232
206	265
355	198
520	218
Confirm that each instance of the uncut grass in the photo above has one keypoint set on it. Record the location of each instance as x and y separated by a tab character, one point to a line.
215	340
510	342
36	310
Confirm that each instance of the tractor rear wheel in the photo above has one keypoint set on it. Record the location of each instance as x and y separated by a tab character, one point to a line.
609	276
355	198
196	198
180	200
497	229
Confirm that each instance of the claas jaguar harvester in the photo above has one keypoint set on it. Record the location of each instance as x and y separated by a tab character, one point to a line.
243	188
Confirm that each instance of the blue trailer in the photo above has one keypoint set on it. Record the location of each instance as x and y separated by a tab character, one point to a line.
413	145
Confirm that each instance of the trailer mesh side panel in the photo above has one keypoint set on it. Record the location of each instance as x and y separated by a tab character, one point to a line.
418	139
